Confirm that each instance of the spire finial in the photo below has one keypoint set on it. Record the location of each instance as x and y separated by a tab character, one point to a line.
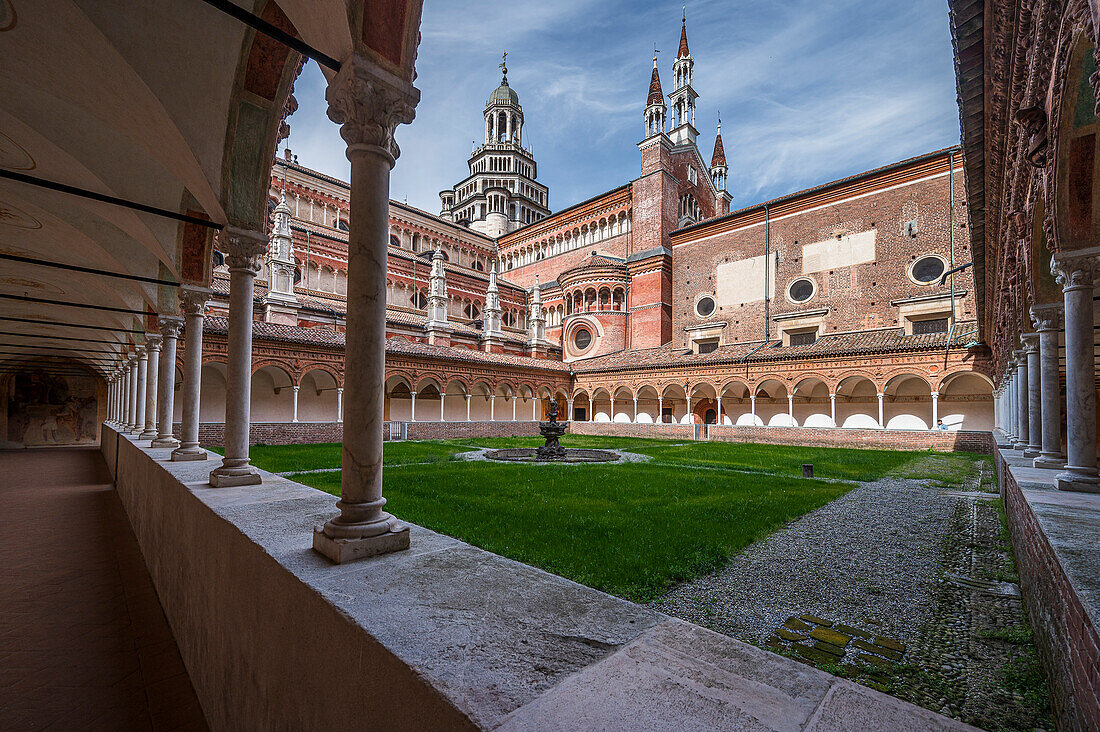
655	52
504	67
684	18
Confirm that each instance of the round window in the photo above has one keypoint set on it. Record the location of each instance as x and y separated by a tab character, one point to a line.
582	338
705	305
927	270
801	290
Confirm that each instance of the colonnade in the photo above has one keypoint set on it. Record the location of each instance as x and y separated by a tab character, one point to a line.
368	103
1029	398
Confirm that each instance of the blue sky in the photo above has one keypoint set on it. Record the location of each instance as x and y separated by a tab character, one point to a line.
809	90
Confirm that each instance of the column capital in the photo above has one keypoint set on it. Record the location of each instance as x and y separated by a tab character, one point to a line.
1021	356
1031	342
153	341
1047	317
193	299
368	103
170	325
1075	270
243	248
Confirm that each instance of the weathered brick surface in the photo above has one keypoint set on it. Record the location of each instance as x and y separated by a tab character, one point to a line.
449	430
980	442
858	297
300	433
1065	635
960	441
628	429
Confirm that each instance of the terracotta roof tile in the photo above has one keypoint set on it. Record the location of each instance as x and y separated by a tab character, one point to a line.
656	96
683	53
719	156
890	340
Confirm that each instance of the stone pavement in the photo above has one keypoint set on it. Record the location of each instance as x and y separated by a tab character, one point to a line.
83	641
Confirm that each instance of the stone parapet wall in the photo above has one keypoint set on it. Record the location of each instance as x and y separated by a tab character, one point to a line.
1065	634
628	429
961	441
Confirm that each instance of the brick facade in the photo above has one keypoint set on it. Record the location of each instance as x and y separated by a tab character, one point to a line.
961	441
1065	635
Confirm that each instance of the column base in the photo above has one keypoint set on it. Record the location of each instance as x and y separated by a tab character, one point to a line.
1056	462
341	550
148	435
1019	445
1078	482
182	454
231	477
171	442
1032	451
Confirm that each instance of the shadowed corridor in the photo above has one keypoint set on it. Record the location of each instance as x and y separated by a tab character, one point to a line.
83	640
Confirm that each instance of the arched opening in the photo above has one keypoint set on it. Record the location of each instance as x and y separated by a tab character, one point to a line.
272	395
481	402
648	411
772	405
966	402
907	403
454	401
582	407
212	392
673	404
736	405
398	406
811	403
601	405
704	397
857	403
624	405
317	397
429	401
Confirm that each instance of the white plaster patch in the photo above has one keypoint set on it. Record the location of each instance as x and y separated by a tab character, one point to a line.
742	281
847	251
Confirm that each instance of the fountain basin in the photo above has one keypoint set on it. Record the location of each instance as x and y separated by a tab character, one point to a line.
568	455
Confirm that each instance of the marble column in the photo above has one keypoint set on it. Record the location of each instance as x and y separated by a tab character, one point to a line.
1034	396
170	326
1075	273
881	423
243	251
339	404
636	410
412	408
193	304
467	407
718	421
935	409
367	103
492	407
660	408
1048	322
1022	430
832	408
152	347
139	396
295	389
569	414
131	411
790	409
752	408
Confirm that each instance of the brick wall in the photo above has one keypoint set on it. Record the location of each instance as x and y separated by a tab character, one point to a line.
628	429
449	430
858	297
1066	637
300	433
963	441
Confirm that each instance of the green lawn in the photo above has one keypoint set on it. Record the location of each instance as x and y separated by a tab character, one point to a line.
632	530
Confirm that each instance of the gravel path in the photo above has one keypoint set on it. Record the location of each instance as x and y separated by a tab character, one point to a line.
866	559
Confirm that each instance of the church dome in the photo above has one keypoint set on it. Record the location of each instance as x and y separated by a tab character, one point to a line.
504	93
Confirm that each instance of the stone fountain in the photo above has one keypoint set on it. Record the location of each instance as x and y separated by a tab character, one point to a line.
552	452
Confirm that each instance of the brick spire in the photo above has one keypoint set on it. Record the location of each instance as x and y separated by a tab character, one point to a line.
683	38
719	156
656	95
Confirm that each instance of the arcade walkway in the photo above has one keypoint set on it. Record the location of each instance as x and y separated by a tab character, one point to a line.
83	641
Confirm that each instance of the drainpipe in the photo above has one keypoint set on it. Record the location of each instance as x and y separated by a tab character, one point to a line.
951	240
767	271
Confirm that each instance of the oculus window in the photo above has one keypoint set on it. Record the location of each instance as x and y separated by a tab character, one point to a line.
582	338
927	270
801	290
705	306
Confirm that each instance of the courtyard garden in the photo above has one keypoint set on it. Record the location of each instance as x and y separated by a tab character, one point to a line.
866	570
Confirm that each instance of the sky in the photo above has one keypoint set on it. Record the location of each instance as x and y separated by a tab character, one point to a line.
809	90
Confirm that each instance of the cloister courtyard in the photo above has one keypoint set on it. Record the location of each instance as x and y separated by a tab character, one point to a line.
733	537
